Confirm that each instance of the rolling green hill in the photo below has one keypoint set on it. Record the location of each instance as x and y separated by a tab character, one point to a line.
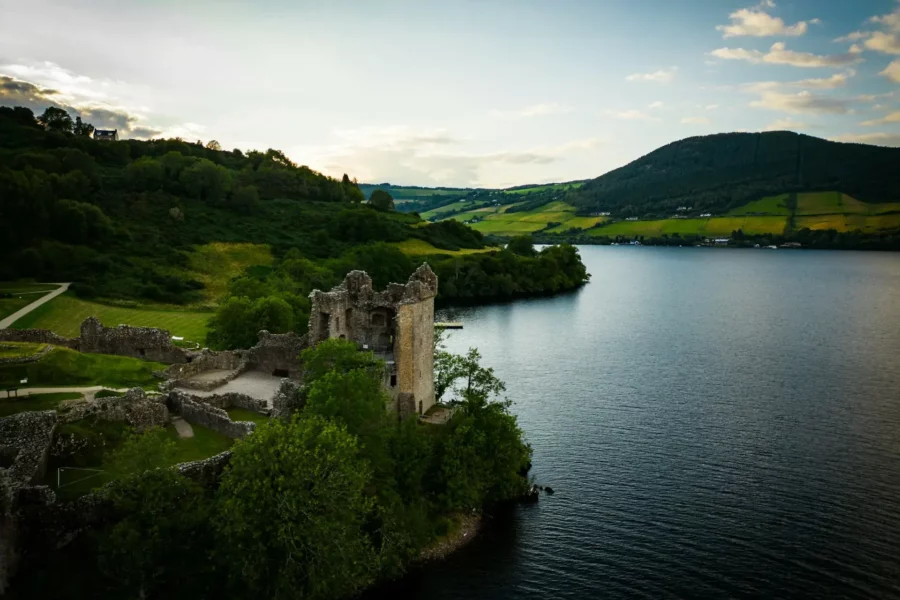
718	173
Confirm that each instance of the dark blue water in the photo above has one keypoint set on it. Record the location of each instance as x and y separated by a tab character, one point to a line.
716	423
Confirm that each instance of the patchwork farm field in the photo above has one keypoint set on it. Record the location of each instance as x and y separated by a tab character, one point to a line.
498	220
712	227
217	263
64	314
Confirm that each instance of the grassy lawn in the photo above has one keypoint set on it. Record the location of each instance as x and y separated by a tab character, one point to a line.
417	247
105	437
19	349
865	223
64	314
11	406
715	226
26	286
204	444
242	414
217	263
63	367
10	305
770	205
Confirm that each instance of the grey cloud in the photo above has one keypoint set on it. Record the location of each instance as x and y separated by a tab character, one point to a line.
15	92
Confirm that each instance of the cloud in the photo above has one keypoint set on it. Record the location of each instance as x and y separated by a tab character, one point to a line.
802	102
891	118
853	36
891	21
887	43
892	71
695	121
785	125
428	157
77	94
535	110
632	115
657	104
779	55
711	106
757	23
661	76
877	139
837	80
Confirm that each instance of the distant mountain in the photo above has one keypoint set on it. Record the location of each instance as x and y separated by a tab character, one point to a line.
723	171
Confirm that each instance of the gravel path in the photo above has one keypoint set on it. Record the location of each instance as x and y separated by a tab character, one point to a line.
183	428
87	391
8	321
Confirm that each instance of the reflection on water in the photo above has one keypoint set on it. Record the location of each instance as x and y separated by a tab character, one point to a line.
716	423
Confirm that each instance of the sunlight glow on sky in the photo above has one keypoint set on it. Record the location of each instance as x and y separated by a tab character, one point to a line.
461	93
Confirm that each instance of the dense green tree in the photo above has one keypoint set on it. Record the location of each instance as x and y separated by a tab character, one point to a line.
81	128
381	200
56	119
336	356
522	245
213	145
145	174
205	180
292	508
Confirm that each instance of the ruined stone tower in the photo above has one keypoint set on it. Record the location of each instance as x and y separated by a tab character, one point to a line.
396	324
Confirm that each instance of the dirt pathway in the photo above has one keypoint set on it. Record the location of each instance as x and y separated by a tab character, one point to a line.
8	321
183	428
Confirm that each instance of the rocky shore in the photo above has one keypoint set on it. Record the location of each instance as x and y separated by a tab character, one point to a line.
469	526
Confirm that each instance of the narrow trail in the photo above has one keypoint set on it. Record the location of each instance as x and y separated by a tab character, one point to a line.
88	391
8	321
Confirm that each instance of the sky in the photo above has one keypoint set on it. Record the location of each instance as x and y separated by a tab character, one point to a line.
492	93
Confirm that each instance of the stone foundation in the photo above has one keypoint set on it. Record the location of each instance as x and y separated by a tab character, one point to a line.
206	415
135	408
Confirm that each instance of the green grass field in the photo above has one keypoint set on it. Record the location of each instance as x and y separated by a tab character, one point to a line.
63	367
498	220
713	227
64	314
417	247
17	404
242	414
23	293
542	188
216	264
19	349
204	444
771	205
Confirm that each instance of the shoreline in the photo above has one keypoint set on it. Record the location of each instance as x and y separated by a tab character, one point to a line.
470	526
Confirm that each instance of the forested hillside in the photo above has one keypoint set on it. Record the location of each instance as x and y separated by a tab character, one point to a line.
719	172
174	222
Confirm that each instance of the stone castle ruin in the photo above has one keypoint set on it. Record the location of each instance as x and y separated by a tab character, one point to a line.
396	324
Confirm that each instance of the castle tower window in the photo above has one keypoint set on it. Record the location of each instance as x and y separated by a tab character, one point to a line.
324	324
393	380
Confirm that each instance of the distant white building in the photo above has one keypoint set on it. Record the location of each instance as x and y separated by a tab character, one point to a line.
706	215
631	219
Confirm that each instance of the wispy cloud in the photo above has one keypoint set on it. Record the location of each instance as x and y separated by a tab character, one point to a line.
802	102
655	105
535	110
632	115
787	124
877	139
758	23
778	54
892	71
891	118
661	76
695	121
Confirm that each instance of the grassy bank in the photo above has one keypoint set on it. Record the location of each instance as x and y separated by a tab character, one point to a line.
18	404
63	367
63	315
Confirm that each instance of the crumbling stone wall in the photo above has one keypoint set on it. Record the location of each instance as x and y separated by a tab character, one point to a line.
138	342
206	360
25	440
397	324
233	400
208	416
135	408
42	336
206	472
287	399
20	360
277	354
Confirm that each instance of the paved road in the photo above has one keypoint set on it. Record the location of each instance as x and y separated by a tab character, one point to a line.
24	311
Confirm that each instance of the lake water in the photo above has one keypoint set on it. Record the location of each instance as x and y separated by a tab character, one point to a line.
716	423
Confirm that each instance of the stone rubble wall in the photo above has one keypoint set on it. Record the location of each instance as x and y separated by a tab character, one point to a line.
206	472
211	384
25	440
42	336
208	416
277	352
206	360
148	343
233	400
21	360
135	408
287	399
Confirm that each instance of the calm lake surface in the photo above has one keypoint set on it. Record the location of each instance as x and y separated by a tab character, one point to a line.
716	423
